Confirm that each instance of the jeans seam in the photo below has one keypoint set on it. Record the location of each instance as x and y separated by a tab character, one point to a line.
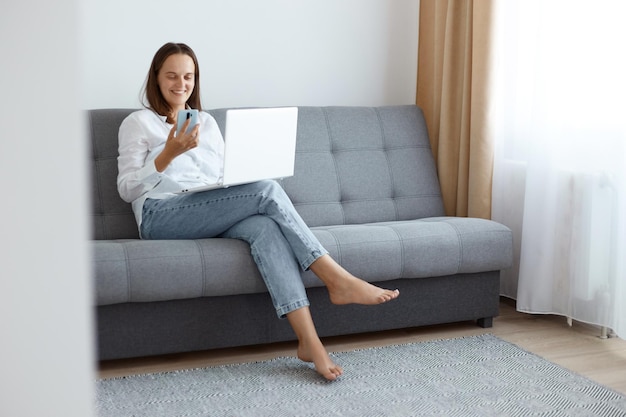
315	253
204	203
282	311
263	272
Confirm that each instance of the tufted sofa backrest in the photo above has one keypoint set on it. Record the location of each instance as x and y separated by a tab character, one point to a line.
353	165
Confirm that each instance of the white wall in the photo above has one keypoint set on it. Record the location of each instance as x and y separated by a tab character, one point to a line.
46	360
258	53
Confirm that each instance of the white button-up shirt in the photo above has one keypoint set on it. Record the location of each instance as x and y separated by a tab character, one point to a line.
142	137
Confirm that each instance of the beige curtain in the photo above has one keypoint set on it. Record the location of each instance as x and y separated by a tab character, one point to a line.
453	91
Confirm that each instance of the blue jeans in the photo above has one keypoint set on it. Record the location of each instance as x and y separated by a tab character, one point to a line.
260	214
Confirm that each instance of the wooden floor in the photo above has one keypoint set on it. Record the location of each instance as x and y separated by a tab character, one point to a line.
578	348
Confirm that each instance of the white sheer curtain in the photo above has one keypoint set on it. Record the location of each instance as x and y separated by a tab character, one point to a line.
560	166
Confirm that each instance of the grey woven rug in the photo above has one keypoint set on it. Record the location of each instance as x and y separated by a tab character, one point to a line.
471	376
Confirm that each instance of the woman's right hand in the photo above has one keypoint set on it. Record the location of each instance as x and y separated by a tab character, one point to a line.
177	145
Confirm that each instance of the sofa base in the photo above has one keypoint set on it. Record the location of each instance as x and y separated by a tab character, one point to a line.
147	329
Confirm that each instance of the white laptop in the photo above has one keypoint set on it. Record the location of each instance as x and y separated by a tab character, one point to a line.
259	144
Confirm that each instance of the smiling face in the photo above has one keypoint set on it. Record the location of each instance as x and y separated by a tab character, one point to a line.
176	80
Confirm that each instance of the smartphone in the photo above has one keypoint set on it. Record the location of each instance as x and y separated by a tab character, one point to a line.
183	115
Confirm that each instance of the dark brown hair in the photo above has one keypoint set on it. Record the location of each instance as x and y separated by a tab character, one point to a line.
152	92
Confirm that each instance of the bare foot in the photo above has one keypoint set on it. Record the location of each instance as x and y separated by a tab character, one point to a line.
352	290
345	288
310	347
323	364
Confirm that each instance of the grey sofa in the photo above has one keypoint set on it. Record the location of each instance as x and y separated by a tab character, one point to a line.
365	182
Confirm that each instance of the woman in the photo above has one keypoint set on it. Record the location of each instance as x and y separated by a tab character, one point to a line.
154	162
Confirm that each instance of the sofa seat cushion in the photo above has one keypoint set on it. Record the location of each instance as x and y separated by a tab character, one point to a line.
160	270
429	247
